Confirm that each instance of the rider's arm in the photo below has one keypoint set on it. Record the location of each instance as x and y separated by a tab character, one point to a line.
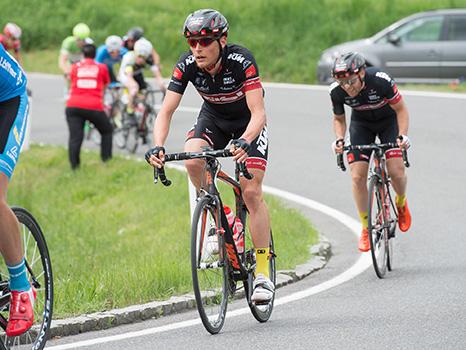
155	57
162	122
402	116
339	126
63	62
255	102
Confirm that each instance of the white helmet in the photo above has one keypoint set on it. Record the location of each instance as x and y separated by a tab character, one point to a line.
12	30
113	43
143	47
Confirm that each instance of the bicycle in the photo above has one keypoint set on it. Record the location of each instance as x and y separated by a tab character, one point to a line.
382	214
138	126
39	270
216	270
113	108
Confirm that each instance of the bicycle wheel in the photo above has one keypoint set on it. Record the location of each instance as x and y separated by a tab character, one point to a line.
261	313
209	267
378	235
40	275
393	221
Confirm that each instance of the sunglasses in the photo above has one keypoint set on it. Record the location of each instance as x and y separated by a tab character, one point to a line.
204	42
347	82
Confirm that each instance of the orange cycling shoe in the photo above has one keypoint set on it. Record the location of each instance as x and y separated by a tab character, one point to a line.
364	244
21	312
404	217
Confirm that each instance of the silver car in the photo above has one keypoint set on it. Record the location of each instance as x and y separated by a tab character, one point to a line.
428	47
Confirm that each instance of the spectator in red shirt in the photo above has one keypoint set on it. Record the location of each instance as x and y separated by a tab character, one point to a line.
88	81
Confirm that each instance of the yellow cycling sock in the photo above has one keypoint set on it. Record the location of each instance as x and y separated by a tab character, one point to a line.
400	201
363	217
262	261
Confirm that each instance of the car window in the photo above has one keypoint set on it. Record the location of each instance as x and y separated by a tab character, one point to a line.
456	28
421	29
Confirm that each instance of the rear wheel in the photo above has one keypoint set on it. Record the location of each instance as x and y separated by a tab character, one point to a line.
378	232
263	312
40	275
209	266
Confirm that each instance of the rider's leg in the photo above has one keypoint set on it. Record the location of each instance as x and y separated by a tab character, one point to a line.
397	172
195	166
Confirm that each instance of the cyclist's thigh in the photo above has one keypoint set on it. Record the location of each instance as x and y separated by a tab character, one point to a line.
206	130
388	132
140	80
13	120
259	152
361	133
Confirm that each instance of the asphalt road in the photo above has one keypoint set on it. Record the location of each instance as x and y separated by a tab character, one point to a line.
420	305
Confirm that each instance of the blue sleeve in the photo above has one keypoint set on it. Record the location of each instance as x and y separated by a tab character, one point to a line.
101	54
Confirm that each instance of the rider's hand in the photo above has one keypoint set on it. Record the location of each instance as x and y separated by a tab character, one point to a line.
155	156
403	141
337	146
240	149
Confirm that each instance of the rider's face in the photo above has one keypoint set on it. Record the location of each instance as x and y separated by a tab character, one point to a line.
206	50
353	84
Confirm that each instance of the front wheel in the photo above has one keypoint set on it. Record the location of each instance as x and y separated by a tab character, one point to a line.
209	266
40	275
378	231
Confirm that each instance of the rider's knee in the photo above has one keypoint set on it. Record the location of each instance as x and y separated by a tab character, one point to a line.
359	181
252	195
194	165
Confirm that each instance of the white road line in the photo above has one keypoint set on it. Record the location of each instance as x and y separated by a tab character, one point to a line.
361	265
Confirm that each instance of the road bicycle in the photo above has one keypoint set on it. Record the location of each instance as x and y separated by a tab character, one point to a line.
216	264
382	214
137	127
39	269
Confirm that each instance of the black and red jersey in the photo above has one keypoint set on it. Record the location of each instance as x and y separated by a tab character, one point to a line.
373	102
224	93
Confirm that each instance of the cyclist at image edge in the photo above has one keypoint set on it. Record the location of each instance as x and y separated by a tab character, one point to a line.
13	120
153	60
378	109
227	78
10	39
131	73
111	53
70	51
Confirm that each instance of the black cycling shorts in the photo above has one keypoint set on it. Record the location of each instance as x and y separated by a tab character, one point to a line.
364	132
206	129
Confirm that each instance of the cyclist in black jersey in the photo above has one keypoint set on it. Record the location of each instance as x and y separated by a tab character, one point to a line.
377	110
227	78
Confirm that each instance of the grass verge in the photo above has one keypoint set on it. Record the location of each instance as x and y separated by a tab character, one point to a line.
115	239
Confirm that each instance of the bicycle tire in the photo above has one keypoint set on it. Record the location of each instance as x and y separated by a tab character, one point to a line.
40	273
261	313
393	220
378	235
210	284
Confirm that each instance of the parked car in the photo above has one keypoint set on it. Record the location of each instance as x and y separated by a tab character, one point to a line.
428	47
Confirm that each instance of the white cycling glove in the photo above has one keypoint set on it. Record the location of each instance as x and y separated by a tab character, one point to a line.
404	139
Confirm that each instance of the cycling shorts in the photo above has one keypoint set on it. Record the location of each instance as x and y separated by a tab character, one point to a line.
206	129
13	120
364	132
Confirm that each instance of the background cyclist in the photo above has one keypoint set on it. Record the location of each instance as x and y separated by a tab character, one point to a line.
377	110
10	39
227	78
13	119
111	53
153	60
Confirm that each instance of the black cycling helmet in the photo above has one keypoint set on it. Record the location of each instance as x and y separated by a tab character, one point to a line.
135	33
348	64
206	22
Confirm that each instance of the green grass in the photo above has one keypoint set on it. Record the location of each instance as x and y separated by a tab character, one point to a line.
116	239
460	88
286	36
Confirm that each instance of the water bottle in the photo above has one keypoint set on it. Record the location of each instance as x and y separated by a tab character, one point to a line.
237	228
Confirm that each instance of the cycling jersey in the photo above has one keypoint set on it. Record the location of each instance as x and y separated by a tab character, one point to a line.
103	56
372	103
128	65
13	111
70	47
88	80
16	46
12	77
224	94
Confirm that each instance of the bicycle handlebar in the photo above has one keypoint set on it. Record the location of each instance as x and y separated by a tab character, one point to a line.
159	173
372	147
